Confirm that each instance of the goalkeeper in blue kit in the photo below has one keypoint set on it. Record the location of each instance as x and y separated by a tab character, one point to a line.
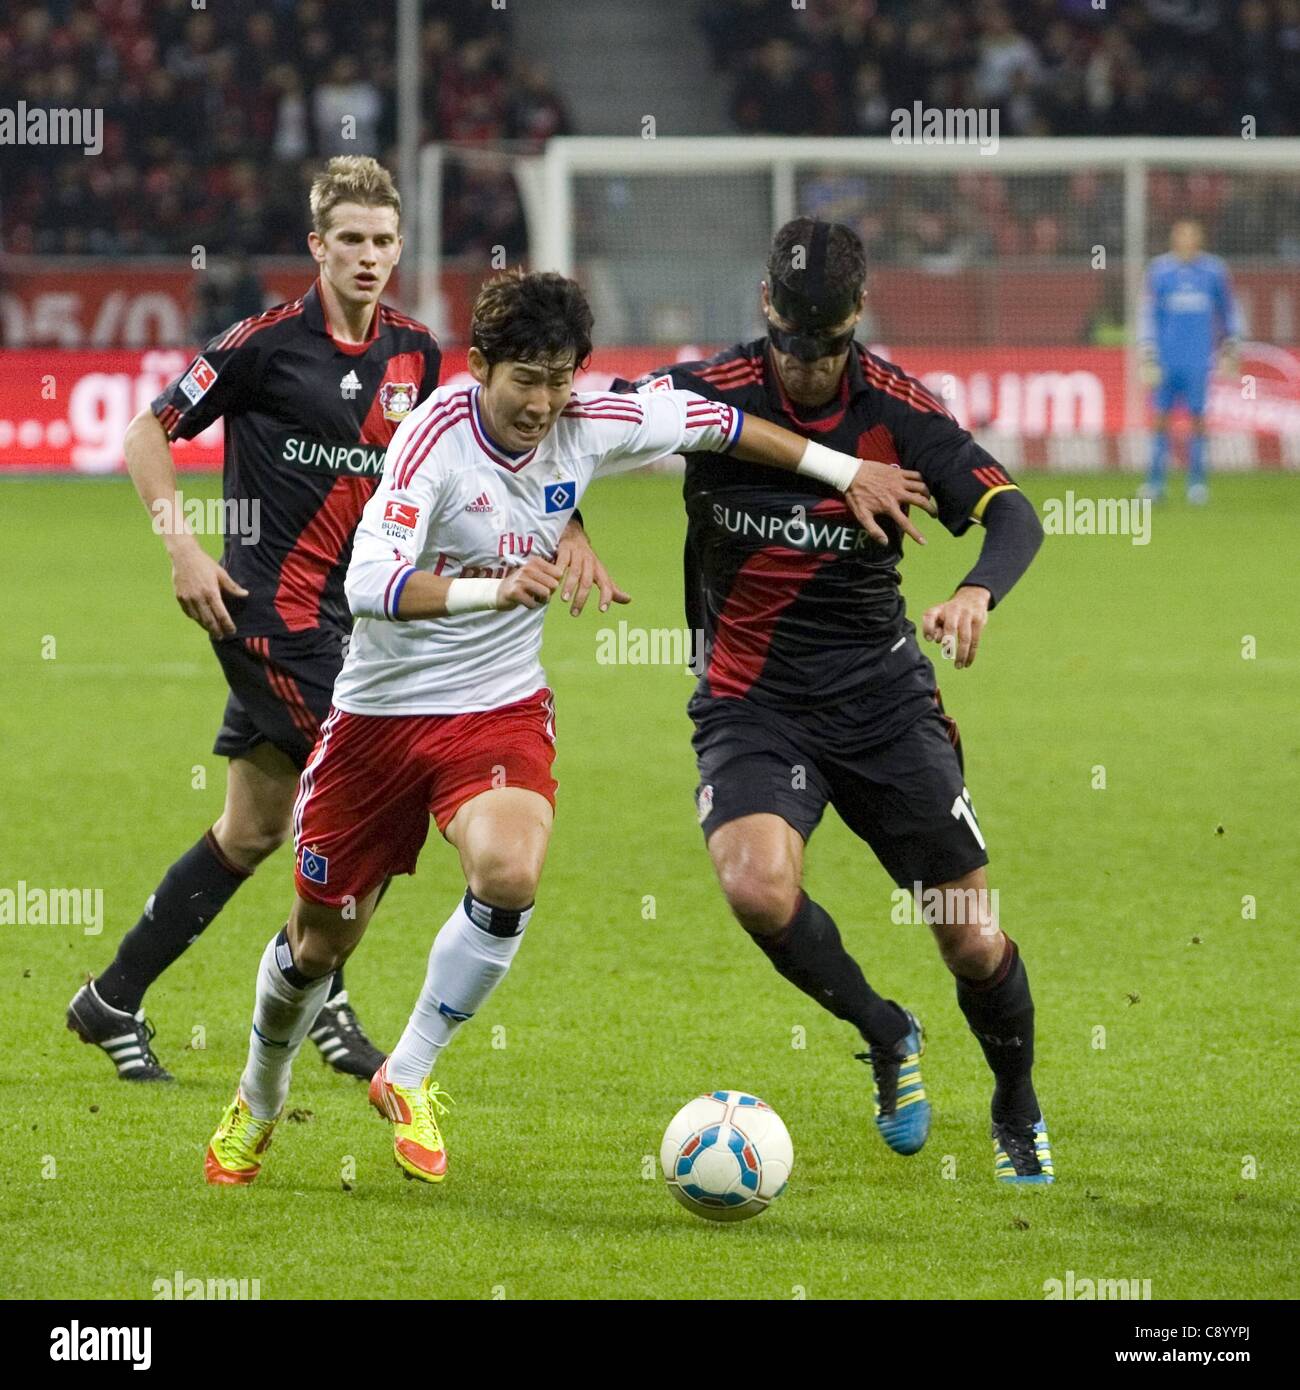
1189	315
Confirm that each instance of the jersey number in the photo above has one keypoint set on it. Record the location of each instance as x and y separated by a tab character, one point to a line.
963	810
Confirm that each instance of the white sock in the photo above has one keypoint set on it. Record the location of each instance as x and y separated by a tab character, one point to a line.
469	959
285	1009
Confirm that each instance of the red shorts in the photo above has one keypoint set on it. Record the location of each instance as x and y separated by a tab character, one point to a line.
373	781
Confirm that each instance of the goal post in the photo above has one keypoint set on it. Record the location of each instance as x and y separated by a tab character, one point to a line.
1008	274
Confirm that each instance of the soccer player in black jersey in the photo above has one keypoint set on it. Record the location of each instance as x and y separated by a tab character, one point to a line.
310	392
814	691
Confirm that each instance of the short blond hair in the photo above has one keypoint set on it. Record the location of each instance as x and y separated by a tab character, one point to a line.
352	178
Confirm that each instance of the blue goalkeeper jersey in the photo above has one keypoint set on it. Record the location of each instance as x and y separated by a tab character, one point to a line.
1187	310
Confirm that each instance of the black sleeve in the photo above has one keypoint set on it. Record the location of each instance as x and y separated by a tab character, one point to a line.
1013	534
219	381
432	369
958	472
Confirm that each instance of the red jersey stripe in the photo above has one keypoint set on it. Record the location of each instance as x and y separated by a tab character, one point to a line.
401	470
903	389
735	364
400	320
610	398
764	587
397	574
238	334
415	460
604	414
317	551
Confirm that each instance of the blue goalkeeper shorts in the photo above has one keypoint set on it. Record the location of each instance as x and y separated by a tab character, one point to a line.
1178	380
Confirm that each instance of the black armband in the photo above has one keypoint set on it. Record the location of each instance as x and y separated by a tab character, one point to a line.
1013	534
577	516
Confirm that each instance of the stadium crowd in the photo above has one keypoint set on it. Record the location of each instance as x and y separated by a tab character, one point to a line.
1051	67
216	118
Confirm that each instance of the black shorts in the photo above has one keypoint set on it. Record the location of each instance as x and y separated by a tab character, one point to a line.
280	690
906	796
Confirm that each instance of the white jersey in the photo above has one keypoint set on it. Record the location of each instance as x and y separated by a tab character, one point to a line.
452	503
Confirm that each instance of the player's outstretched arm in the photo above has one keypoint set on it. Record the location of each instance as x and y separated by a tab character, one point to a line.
198	580
378	588
870	489
431	596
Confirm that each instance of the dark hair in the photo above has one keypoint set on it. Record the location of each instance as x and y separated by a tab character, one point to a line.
535	317
846	261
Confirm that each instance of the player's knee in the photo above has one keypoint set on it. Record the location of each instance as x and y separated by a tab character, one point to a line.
762	896
322	937
971	951
317	956
508	881
249	844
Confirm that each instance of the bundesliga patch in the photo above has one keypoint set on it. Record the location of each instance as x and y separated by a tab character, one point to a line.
315	868
561	497
704	803
400	520
397	398
657	383
197	380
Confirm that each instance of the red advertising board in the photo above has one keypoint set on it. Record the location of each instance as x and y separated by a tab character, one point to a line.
68	411
68	303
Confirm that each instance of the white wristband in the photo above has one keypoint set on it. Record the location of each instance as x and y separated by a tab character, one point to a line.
471	595
828	465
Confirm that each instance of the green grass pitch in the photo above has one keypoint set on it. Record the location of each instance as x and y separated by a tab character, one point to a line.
1167	1037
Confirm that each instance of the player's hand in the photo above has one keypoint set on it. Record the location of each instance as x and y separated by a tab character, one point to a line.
957	624
199	583
583	568
1150	370
880	489
531	585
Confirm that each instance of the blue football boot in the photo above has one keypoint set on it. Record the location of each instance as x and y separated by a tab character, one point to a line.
902	1111
1022	1154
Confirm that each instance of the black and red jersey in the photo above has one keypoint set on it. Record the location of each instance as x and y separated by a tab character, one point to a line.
307	422
797	604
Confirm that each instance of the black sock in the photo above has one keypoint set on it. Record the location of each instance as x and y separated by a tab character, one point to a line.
1001	1015
810	954
196	887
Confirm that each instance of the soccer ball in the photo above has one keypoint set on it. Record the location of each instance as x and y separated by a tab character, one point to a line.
726	1156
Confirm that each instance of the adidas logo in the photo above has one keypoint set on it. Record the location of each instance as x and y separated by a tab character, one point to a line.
349	386
482	503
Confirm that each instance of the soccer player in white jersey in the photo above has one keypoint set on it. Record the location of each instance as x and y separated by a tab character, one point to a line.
442	707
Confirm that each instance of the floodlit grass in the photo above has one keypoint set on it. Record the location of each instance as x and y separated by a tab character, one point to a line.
1166	1009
